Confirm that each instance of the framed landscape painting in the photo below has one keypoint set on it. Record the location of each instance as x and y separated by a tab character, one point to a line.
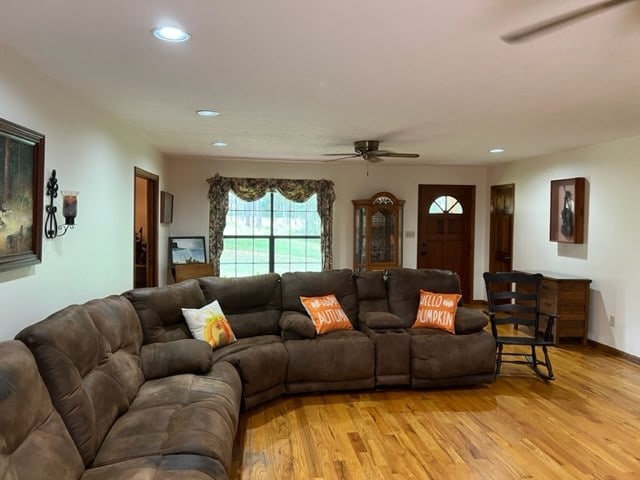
183	250
21	195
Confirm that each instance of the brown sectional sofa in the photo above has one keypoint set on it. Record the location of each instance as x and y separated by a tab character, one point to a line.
117	388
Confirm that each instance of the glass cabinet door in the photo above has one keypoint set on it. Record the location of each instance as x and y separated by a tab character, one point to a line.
378	232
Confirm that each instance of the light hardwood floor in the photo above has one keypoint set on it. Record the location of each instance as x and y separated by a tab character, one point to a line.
583	425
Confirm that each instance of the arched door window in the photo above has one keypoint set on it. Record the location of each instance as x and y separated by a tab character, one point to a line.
446	204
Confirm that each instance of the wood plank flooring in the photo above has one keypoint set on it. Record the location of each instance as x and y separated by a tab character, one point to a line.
583	425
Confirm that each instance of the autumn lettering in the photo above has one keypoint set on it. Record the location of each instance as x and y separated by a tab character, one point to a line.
331	316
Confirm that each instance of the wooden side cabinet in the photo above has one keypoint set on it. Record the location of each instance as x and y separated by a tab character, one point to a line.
377	232
568	298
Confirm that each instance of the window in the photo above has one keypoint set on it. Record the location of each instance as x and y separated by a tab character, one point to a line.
271	234
446	204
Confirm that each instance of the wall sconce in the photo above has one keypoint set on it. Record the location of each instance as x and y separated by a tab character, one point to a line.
69	209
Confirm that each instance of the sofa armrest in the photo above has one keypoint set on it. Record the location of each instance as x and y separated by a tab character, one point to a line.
470	320
176	357
297	323
380	320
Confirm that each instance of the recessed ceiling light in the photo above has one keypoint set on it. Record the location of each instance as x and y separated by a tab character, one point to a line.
219	144
171	34
496	150
207	113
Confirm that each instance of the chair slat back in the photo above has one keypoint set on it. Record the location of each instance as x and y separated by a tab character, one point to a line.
514	297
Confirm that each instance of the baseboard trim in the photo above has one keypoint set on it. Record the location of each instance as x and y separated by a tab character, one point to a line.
613	351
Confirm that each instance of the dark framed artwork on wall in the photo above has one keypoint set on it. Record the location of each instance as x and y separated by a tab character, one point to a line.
21	196
566	221
183	250
166	207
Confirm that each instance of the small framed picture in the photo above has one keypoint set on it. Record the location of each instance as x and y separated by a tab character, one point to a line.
566	221
166	207
183	250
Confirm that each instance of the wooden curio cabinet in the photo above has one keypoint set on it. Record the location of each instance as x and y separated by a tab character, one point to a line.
378	232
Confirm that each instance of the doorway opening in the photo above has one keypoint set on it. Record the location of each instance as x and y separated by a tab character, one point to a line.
446	215
501	228
145	229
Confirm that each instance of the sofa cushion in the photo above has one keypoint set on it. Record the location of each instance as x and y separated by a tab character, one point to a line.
172	358
261	362
209	324
339	356
404	284
160	467
437	310
34	442
379	320
326	314
176	415
316	284
160	309
252	305
372	291
298	324
88	356
469	320
438	355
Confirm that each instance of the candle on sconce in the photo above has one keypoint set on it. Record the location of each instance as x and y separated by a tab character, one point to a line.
69	207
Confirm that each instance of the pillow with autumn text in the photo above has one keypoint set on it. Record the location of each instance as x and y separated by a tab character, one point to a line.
326	313
209	324
437	310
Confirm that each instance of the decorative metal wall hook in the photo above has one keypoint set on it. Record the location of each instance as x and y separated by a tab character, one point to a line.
69	210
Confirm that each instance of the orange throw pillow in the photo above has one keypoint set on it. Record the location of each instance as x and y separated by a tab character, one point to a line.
437	310
326	313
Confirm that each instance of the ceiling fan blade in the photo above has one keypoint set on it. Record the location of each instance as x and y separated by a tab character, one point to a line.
398	155
542	27
341	156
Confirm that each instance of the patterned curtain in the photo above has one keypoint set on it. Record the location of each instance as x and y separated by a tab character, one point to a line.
252	189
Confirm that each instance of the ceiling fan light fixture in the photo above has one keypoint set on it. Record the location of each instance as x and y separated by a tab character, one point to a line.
171	34
207	113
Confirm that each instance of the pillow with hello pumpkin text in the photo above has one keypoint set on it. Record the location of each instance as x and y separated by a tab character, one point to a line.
209	324
326	313
437	310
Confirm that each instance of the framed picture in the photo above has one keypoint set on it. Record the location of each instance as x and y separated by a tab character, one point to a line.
166	207
566	222
183	250
21	196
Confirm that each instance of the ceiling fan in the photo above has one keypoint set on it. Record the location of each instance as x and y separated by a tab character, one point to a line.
369	150
561	20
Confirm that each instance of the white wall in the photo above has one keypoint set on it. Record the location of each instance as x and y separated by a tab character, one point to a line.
93	155
609	255
191	207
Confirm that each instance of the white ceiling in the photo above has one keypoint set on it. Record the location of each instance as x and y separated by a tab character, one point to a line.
293	79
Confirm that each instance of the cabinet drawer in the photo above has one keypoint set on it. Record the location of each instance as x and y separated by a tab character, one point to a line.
549	305
549	288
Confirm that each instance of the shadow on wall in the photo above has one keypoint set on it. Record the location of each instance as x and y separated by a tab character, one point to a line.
599	328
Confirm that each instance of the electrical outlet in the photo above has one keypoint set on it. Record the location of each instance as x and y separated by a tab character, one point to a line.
612	321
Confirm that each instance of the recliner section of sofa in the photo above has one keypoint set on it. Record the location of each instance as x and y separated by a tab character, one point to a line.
439	359
118	417
338	360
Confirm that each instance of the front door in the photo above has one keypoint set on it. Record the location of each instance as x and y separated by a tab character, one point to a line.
445	231
501	227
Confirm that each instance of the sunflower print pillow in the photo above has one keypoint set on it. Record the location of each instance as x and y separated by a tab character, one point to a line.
209	324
